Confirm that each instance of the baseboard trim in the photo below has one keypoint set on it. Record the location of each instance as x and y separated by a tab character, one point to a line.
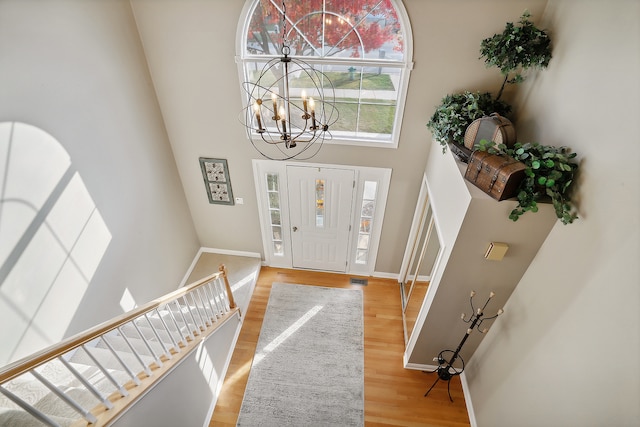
384	275
214	251
467	400
183	282
230	252
419	367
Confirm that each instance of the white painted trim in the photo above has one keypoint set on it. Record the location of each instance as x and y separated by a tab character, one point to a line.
190	269
420	367
436	273
384	275
383	178
467	399
262	167
416	227
231	252
202	250
420	278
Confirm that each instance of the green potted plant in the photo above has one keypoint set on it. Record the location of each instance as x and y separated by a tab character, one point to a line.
520	46
548	176
456	112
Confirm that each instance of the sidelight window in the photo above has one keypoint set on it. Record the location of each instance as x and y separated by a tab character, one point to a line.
275	217
367	211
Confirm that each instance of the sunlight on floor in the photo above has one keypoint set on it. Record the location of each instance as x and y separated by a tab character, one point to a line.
242	371
247	279
286	334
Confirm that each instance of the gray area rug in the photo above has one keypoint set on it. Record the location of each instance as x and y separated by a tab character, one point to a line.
308	369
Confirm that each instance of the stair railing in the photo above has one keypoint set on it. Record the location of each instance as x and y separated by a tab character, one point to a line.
114	363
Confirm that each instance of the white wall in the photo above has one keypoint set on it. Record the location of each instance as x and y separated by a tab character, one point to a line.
566	351
76	70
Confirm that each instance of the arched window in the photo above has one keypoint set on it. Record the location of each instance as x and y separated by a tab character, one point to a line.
362	46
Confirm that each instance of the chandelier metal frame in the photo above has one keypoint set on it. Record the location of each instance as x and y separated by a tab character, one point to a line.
285	122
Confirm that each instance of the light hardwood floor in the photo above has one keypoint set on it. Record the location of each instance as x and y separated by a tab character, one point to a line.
393	395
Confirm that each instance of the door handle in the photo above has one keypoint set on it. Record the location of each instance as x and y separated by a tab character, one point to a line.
295	229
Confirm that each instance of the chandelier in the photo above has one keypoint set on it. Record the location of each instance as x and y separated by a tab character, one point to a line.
290	107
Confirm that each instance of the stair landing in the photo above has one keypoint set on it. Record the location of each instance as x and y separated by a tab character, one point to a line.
242	272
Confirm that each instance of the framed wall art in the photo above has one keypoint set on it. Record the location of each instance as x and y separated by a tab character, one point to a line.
216	180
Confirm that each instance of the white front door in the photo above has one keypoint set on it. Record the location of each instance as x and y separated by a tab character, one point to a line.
320	201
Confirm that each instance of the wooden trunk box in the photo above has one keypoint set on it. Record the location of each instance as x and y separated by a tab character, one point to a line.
498	176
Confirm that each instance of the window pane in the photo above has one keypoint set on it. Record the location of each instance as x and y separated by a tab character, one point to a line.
276	232
375	118
348	119
264	30
275	217
319	202
370	188
365	225
274	200
367	208
272	182
349	29
361	256
278	248
365	118
363	241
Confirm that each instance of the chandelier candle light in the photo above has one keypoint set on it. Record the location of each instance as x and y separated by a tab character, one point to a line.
294	124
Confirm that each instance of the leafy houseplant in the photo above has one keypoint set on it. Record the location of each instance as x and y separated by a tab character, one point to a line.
517	49
549	174
456	112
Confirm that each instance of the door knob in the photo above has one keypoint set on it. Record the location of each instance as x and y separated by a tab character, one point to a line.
295	229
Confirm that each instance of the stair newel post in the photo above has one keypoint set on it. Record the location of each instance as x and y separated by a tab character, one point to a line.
232	302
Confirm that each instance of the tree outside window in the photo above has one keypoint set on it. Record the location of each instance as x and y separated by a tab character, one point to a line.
358	44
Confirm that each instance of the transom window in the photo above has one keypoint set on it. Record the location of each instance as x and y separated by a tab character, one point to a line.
362	46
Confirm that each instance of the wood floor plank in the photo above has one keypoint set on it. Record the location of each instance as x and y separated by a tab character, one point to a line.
394	396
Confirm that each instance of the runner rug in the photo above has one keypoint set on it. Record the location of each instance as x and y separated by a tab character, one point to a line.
308	369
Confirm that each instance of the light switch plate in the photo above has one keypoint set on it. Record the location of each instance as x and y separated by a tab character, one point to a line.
496	251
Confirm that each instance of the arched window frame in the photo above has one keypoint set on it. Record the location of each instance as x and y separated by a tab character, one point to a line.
404	67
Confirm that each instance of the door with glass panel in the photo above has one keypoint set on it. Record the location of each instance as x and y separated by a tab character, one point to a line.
320	201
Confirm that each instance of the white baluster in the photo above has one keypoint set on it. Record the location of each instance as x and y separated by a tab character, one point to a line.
135	353
126	367
166	328
106	372
68	400
106	402
167	353
146	343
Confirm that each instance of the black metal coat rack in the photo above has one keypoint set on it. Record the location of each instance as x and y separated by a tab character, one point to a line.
447	368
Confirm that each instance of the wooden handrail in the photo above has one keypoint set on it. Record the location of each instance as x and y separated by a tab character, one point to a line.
34	360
